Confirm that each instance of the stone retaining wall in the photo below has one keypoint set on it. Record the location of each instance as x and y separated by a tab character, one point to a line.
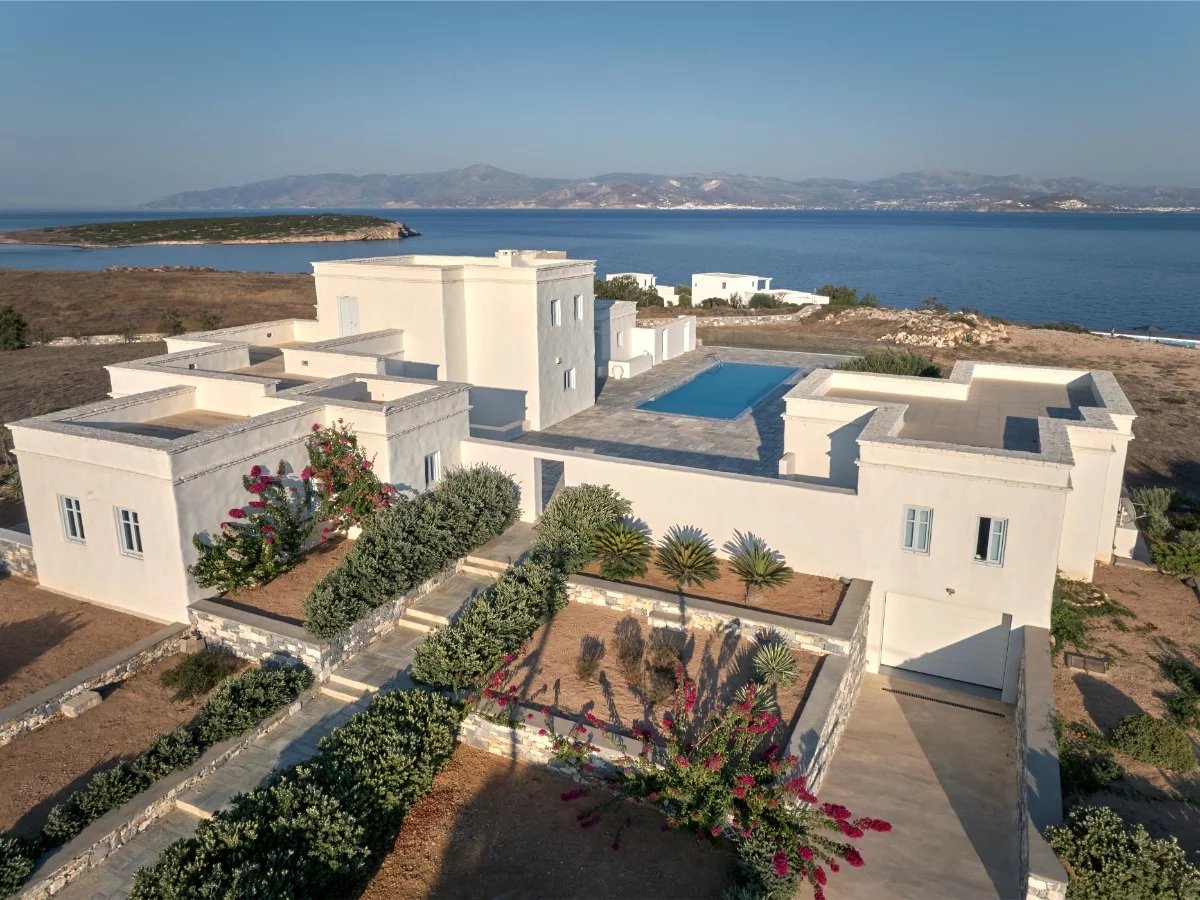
16	554
1039	788
532	740
34	711
118	827
258	637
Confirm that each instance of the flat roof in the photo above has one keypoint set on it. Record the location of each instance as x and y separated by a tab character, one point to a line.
170	427
728	275
521	259
997	413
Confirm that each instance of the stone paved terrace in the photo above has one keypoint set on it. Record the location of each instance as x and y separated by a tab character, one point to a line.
749	445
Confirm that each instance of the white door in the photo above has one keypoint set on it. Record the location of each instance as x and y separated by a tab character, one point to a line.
949	640
348	315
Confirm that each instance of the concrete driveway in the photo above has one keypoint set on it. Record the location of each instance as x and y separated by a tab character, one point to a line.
945	777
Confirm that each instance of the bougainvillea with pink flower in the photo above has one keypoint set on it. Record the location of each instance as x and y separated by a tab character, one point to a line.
348	489
260	540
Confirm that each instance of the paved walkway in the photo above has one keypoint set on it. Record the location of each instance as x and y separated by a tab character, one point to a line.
383	666
945	777
750	445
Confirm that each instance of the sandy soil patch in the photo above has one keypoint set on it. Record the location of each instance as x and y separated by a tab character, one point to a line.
42	767
494	828
45	636
1166	621
720	663
283	598
804	596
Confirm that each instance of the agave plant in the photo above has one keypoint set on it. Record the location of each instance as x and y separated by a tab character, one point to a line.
762	698
623	550
775	664
757	565
687	557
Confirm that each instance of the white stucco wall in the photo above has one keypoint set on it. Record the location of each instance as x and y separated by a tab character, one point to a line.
727	286
666	340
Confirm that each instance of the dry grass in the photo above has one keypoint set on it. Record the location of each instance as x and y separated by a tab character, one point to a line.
79	303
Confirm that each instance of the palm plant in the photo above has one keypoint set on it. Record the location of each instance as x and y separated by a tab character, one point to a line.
687	557
761	698
757	565
775	664
623	550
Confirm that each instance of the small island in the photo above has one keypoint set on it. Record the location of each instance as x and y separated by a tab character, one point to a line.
287	229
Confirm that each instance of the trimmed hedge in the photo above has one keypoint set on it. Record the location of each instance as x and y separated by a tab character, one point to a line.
315	830
237	704
497	623
410	542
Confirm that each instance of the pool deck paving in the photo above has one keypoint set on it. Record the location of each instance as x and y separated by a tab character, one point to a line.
383	666
748	445
945	777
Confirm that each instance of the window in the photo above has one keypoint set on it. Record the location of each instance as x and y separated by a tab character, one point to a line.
918	525
620	339
129	532
72	517
433	468
569	380
556	312
990	540
578	307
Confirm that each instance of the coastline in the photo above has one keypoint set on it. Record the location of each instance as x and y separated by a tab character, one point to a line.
295	239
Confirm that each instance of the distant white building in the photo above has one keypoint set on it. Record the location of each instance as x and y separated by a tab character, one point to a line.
644	280
738	289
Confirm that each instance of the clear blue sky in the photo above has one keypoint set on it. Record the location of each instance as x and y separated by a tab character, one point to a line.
116	104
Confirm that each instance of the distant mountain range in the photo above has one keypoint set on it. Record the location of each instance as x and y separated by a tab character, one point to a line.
486	187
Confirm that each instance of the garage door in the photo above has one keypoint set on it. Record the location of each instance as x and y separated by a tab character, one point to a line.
949	640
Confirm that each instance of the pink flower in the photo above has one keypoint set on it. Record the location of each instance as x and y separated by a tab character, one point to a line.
854	858
257	504
849	830
306	472
713	763
780	864
316	427
257	488
715	831
267	529
819	874
739	792
542	732
366	464
806	853
835	811
681	761
237	514
255	471
833	866
874	824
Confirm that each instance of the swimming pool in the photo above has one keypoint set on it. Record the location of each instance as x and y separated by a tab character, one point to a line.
723	391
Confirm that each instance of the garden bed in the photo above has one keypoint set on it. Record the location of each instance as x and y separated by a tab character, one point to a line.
283	598
44	637
803	596
491	828
544	674
42	767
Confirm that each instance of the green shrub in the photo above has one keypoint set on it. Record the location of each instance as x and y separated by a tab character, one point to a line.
1155	741
841	295
406	544
16	862
933	304
573	518
1085	759
623	550
170	322
238	703
757	565
200	672
892	362
1074	605
1176	558
687	557
591	653
766	301
1152	504
10	483
497	623
774	663
1110	859
1073	327
1183	707
316	828
14	330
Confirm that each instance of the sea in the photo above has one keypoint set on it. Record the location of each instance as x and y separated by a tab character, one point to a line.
1128	271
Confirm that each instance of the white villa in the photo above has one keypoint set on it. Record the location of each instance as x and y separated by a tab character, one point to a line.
738	289
958	499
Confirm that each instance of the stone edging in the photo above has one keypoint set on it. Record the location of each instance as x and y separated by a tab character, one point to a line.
1039	785
116	828
258	637
35	710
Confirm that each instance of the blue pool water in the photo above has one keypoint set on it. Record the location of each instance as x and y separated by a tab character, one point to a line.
721	392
